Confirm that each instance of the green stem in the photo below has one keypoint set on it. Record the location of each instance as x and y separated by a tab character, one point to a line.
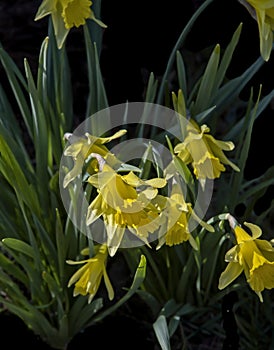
157	272
177	46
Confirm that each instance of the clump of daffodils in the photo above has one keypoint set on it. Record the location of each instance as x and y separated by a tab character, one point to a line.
124	202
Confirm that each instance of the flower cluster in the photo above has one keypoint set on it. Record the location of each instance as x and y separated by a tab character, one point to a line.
130	205
143	207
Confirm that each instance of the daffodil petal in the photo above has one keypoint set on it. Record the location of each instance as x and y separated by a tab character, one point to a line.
108	285
46	8
102	140
261	274
256	230
75	277
232	271
60	30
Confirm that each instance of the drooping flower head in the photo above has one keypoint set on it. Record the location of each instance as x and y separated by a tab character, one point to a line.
124	202
81	148
65	15
88	278
204	152
263	12
253	256
176	213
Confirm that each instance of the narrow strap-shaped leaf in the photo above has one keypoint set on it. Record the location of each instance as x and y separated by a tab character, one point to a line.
238	127
204	95
227	56
96	31
80	305
228	92
161	330
138	279
7	116
13	173
19	86
238	178
177	46
151	89
47	244
40	137
97	98
19	246
12	269
181	73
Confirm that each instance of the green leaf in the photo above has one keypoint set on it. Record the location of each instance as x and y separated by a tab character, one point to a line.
181	73
238	127
177	46
12	270
228	92
151	89
137	281
204	95
14	174
87	314
19	86
226	59
19	246
79	305
173	324
162	333
237	179
8	120
40	137
97	98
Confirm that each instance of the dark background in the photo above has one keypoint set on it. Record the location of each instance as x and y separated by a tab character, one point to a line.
138	41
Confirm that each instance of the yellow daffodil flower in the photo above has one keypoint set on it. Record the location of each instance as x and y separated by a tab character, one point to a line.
88	278
253	256
65	15
204	152
82	147
263	12
124	202
175	229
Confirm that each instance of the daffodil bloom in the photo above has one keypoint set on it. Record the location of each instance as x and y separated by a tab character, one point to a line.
204	152
88	278
65	15
80	150
177	213
124	202
263	12
253	256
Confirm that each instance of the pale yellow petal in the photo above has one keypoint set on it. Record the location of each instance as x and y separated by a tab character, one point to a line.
232	271
256	230
108	285
47	7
